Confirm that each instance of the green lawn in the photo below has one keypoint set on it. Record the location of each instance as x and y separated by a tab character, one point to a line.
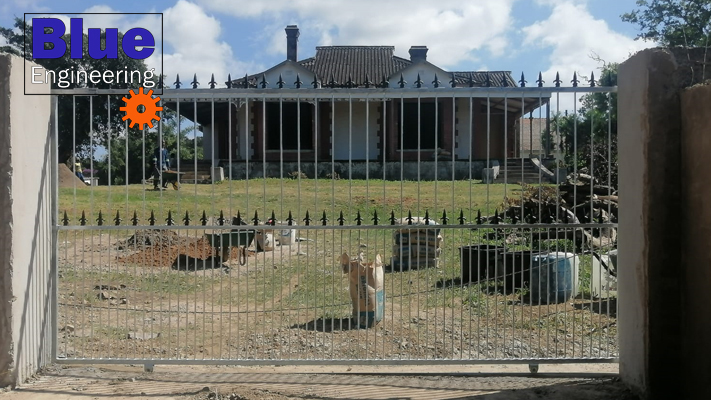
282	196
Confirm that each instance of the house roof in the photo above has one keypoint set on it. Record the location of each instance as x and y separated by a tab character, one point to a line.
355	62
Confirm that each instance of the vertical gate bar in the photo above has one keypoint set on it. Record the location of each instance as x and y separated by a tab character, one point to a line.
540	217
230	103
609	213
402	210
557	202
179	137
575	176
54	266
384	160
592	221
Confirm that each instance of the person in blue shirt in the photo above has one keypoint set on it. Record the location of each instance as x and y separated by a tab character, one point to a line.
160	163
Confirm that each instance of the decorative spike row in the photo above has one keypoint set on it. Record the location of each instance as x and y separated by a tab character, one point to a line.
170	221
478	217
418	82
195	82
65	219
495	221
349	82
427	217
324	219
100	220
523	81
134	220
186	218
245	82
212	82
332	83
314	83
272	220
221	218
453	81
436	82
504	81
229	81
488	80
392	217
557	80
255	219
409	217
82	220
307	219
264	82
444	218
280	82
290	219
298	82
514	218
358	219
575	79
461	218
152	219
203	219
375	218
401	82
384	83
540	80
177	81
471	80
341	220
592	79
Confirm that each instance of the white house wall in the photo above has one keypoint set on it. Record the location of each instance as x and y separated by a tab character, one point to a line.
352	120
207	144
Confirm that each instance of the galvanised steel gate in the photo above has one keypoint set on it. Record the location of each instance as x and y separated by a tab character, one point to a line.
340	225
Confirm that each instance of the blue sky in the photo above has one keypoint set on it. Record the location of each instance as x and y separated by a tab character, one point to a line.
247	36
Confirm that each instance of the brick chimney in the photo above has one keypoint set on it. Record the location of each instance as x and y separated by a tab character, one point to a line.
292	40
418	53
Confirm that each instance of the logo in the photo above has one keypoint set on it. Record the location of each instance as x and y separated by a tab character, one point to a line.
133	105
102	49
51	30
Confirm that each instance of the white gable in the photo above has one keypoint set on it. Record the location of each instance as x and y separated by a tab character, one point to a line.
427	73
288	71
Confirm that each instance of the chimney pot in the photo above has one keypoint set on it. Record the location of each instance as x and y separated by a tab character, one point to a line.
292	40
418	53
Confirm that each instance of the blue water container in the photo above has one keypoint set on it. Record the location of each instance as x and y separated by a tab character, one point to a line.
554	277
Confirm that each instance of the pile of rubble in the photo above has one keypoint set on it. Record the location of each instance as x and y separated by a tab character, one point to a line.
581	199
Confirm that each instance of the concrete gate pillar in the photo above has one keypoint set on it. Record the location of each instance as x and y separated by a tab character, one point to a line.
664	245
27	177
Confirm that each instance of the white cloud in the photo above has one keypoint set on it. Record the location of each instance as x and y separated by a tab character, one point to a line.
575	36
197	48
458	28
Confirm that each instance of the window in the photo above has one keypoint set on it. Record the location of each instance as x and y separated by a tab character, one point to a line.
287	138
430	126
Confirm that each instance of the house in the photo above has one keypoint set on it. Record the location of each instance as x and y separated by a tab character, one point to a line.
384	129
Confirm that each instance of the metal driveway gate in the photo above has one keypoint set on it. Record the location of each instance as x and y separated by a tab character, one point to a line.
428	214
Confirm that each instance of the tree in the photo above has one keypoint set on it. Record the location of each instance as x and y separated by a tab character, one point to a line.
588	138
74	113
140	157
673	23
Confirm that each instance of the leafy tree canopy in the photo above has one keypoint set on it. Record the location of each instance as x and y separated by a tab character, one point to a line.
673	23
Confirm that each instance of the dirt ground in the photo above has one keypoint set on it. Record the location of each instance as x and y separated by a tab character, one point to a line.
556	382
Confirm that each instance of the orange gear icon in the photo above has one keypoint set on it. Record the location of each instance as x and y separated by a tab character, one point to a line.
145	100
